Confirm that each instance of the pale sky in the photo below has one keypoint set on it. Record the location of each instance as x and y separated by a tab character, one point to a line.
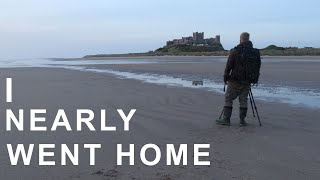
74	28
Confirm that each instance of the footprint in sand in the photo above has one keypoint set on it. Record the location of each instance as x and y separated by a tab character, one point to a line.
111	173
165	177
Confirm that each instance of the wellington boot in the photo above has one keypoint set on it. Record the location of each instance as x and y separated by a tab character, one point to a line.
243	114
227	111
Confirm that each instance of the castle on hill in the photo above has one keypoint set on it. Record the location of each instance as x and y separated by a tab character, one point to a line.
196	39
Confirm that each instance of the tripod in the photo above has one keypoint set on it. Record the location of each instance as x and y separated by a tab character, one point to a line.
253	105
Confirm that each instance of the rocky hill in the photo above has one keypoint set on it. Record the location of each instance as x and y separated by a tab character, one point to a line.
215	50
190	48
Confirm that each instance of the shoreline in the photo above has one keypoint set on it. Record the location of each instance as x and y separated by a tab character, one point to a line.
146	76
284	77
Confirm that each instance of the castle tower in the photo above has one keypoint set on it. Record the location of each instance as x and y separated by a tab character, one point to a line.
217	39
198	38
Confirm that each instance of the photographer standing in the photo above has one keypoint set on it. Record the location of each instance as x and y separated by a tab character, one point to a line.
242	70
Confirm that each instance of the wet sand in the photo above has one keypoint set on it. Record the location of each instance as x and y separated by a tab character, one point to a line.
286	147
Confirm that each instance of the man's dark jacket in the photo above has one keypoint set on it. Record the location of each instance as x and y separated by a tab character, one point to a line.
235	70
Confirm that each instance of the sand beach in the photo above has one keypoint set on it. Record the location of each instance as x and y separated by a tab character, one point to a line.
170	111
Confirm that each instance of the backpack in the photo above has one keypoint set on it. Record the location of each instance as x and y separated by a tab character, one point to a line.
250	58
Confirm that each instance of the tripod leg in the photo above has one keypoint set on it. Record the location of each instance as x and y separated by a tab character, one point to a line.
254	103
221	113
254	115
224	90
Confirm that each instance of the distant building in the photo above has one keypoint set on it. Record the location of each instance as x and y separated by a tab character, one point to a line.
196	39
217	39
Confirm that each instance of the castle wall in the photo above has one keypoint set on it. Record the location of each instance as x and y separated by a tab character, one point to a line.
197	38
